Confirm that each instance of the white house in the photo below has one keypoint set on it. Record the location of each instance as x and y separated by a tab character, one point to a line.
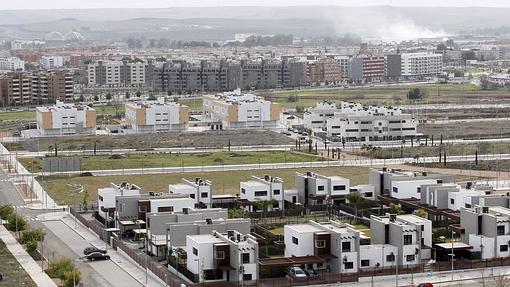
65	119
155	116
257	189
106	197
222	257
319	189
378	256
199	189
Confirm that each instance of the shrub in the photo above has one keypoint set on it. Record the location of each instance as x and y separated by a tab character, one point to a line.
5	211
16	221
72	278
36	235
31	247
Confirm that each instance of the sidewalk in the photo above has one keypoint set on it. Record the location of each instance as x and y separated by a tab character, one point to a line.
25	260
118	258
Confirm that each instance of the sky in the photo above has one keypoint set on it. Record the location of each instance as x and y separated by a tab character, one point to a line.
81	4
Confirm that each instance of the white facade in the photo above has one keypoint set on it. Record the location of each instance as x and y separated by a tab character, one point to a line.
199	189
106	196
421	64
267	188
317	118
318	189
116	73
409	188
166	204
52	62
12	64
378	256
65	119
206	253
154	116
462	199
367	190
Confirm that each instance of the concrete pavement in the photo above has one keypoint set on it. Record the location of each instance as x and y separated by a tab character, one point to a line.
25	260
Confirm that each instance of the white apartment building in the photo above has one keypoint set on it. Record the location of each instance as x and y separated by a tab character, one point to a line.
238	110
412	235
65	119
116	73
256	189
335	242
52	62
157	116
314	188
487	230
317	118
229	257
11	64
357	123
199	189
421	64
106	197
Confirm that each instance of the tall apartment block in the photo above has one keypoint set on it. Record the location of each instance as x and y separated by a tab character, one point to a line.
65	119
238	110
366	69
155	116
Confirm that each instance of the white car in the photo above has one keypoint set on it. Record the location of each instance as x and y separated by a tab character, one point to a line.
297	273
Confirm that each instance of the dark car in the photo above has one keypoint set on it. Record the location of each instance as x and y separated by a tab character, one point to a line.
128	233
90	250
98	256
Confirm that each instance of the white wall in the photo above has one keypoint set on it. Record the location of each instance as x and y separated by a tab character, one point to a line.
177	203
488	245
305	244
409	188
377	254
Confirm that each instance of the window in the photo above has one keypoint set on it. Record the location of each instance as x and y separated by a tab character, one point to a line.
349	265
365	263
339	187
245	257
276	192
165	209
142	209
503	248
320	243
243	191
101	198
261	193
408	239
204	195
500	230
320	188
418	189
192	196
247	277
195	251
220	254
410	258
395	189
346	246
295	240
390	258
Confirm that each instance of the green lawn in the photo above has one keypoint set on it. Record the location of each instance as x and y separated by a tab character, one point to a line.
13	116
176	160
193	104
60	188
13	273
109	110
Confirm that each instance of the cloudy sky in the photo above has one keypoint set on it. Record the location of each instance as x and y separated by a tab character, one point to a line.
71	4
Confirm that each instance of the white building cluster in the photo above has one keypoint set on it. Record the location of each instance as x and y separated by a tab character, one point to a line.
65	119
156	116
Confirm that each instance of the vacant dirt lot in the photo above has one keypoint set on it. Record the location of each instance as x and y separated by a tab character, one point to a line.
162	140
467	130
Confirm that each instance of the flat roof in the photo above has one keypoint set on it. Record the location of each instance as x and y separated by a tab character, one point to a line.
181	186
412	218
254	183
305	228
456	245
205	238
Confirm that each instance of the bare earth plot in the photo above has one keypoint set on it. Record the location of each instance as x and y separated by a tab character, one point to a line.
60	188
13	273
467	130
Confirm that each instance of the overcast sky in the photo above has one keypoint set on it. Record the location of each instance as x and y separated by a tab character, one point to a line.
71	4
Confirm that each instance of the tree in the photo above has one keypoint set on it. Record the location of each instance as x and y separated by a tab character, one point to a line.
85	200
138	94
36	235
237	213
395	209
16	222
31	247
355	198
415	94
64	269
127	95
5	211
421	213
72	278
264	205
151	98
82	98
109	96
96	98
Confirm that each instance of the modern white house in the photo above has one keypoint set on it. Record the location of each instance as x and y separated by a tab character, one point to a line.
65	119
238	110
157	116
317	118
412	235
222	257
257	189
486	230
106	197
198	189
314	188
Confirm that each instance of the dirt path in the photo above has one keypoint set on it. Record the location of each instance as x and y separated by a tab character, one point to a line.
461	173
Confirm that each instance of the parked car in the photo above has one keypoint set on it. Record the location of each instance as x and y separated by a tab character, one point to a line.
310	271
425	285
90	250
94	256
128	233
297	273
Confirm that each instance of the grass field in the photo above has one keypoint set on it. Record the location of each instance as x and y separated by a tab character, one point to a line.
193	104
13	273
175	160
14	116
467	130
60	188
493	165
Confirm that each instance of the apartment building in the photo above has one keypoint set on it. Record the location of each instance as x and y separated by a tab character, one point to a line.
316	118
65	119
230	256
393	66
486	230
367	69
199	189
355	122
156	116
400	184
125	73
52	62
336	245
106	198
324	70
412	235
43	87
12	64
418	65
238	110
257	189
314	188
